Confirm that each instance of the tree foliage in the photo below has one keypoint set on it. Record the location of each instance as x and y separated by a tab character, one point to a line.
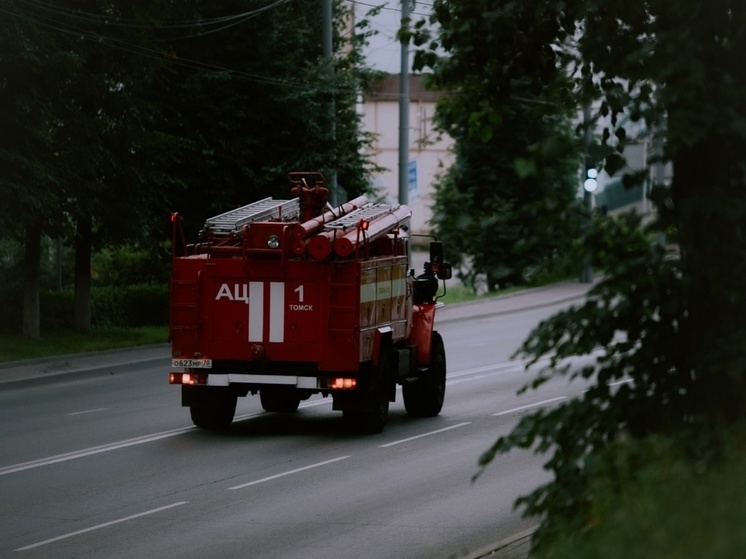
253	102
116	113
662	333
508	204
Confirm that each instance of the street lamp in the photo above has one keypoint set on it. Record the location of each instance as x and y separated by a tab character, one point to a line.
589	187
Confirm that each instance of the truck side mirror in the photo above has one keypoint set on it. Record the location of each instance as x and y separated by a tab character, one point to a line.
442	269
436	254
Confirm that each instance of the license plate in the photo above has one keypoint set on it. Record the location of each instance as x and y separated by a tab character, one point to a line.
192	363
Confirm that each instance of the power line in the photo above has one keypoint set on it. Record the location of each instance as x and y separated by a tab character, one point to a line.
153	54
383	7
114	20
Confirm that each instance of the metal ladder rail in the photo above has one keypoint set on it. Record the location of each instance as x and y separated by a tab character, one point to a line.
368	213
234	220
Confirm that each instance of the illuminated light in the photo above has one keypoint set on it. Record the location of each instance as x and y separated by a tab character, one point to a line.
187	378
364	224
273	241
590	185
343	383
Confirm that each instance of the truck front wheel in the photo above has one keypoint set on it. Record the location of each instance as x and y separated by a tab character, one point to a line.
425	396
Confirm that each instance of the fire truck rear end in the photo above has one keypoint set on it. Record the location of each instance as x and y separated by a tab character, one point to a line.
291	298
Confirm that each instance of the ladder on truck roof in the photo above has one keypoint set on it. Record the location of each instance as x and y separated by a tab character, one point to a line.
234	220
368	213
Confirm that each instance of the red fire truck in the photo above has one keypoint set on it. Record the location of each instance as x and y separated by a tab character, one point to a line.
291	298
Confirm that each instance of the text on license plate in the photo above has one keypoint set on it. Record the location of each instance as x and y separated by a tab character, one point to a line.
192	363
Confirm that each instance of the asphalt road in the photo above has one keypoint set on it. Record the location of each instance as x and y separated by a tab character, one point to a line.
108	464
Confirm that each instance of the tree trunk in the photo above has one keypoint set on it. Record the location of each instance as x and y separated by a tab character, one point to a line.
82	296
708	193
31	280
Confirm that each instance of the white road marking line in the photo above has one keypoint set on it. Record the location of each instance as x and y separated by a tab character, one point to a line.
13	468
85	411
93	450
283	474
537	404
424	435
112	446
318	402
496	368
104	525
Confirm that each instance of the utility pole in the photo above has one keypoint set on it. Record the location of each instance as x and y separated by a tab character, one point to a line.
589	186
404	105
326	45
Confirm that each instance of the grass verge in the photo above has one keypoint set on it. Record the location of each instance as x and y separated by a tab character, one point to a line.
667	512
15	348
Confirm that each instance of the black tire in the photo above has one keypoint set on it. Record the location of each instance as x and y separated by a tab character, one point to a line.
370	416
280	399
425	397
214	417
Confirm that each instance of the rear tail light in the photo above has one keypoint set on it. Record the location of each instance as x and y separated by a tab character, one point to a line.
343	383
187	378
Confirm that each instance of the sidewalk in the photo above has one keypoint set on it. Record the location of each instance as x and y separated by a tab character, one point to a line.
558	293
33	372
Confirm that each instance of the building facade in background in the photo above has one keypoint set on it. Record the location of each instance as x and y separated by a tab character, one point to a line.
613	198
429	151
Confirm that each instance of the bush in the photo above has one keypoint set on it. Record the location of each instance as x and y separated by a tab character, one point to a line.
129	306
131	265
56	308
11	301
111	307
145	305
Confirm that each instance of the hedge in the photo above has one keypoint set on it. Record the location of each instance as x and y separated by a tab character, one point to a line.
120	307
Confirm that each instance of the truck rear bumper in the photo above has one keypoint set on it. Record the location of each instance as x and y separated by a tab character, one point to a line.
308	383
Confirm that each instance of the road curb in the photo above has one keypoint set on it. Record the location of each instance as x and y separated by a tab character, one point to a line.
79	374
501	305
471	316
517	546
46	370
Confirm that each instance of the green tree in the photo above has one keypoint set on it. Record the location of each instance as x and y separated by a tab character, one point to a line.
252	102
509	203
670	327
28	182
128	110
89	126
101	123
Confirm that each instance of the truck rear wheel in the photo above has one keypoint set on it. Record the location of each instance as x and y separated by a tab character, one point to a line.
371	421
371	415
281	399
425	396
214	417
